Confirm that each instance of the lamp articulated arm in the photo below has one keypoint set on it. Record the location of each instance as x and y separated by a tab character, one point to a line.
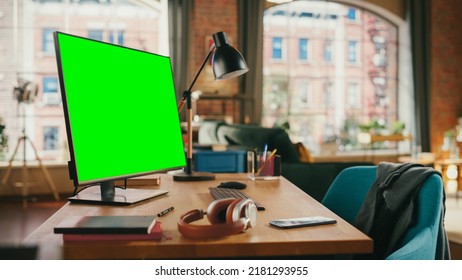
227	63
187	93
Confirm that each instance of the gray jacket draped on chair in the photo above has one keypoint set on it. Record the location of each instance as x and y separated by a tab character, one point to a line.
388	210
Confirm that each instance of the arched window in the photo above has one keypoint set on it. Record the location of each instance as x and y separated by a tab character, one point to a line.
26	43
337	71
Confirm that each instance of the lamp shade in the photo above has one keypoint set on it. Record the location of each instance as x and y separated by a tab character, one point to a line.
227	62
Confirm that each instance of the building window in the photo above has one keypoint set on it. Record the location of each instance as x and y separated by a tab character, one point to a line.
277	48
47	40
328	92
50	138
353	100
303	100
50	91
303	49
95	34
50	85
352	51
351	14
327	55
116	37
305	96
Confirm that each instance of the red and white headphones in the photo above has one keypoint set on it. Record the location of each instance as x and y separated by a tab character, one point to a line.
226	216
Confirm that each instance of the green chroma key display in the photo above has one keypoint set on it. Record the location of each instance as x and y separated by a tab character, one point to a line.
120	108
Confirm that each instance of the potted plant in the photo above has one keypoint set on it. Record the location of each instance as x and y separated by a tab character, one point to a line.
398	127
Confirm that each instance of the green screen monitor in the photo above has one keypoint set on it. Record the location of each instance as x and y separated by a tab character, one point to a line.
121	117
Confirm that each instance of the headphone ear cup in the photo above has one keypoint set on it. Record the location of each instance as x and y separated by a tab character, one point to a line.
231	217
218	209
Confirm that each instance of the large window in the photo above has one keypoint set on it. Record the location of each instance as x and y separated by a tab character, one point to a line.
352	77
27	52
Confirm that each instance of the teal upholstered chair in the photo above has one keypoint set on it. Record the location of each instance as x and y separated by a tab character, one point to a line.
348	191
420	242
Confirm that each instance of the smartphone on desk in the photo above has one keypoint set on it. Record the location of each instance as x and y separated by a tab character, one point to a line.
302	222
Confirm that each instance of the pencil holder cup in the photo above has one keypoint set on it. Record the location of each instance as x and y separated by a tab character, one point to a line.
263	166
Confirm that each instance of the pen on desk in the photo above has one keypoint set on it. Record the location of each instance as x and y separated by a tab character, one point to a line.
166	211
273	153
265	150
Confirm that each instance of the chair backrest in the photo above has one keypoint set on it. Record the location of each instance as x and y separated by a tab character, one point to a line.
420	242
347	192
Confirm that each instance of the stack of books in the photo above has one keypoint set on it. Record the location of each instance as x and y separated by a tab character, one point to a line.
110	228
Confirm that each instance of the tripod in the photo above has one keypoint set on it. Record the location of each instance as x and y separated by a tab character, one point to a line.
25	184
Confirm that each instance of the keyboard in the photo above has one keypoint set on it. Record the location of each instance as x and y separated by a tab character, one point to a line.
219	193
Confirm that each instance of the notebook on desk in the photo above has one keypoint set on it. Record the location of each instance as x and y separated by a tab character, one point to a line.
155	234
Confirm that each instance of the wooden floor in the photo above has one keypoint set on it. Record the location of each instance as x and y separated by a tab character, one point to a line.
17	221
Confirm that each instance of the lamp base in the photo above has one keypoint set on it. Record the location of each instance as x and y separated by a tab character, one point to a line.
180	175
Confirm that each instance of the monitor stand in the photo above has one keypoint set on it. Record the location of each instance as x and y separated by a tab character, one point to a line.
108	194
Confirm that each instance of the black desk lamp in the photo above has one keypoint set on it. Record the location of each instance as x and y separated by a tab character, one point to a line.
227	63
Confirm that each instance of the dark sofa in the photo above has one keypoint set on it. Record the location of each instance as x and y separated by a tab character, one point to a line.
312	177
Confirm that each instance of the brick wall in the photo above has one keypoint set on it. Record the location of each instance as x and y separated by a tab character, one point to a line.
209	17
446	63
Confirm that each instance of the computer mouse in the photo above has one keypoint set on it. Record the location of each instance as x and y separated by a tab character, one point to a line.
232	185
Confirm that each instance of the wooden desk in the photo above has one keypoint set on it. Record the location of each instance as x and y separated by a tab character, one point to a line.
281	198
